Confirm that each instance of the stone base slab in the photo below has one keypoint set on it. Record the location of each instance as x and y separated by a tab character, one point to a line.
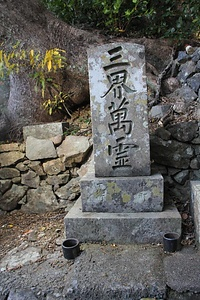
122	194
121	228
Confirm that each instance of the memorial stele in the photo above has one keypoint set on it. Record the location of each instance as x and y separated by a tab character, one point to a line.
120	184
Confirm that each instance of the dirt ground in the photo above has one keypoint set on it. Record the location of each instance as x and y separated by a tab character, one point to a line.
43	230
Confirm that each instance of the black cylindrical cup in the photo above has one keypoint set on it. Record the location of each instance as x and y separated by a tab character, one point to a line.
171	242
71	248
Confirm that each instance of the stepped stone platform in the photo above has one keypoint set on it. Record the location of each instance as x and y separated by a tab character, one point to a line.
125	228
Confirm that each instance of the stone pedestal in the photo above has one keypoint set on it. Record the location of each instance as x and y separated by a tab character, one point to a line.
122	194
121	202
121	228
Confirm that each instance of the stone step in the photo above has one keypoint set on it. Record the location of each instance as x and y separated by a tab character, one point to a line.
123	228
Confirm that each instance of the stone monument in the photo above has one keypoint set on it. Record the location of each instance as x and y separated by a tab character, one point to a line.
120	200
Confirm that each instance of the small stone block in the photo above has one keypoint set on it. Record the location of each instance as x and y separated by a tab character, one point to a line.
122	194
45	131
121	228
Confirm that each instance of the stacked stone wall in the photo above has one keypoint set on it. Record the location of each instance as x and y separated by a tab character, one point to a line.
41	174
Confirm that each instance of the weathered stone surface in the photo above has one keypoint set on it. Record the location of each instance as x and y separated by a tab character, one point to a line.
44	131
40	200
21	294
182	176
182	57
6	173
10	147
122	194
184	131
37	167
195	163
18	257
163	133
54	167
171	153
59	179
10	199
39	149
118	96
170	84
158	111
73	149
22	167
31	179
10	158
16	180
70	191
194	82
57	140
184	95
186	70
122	228
5	185
196	140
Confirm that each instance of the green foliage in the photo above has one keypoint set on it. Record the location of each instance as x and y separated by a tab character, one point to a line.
162	18
40	66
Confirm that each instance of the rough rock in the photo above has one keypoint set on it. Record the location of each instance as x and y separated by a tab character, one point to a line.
194	82
5	185
186	70
59	179
21	294
185	93
170	84
10	199
45	131
184	131
37	167
163	133
181	177
39	149
70	191
30	179
158	111
171	153
18	257
54	167
10	147
40	200
10	158
6	173
73	149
